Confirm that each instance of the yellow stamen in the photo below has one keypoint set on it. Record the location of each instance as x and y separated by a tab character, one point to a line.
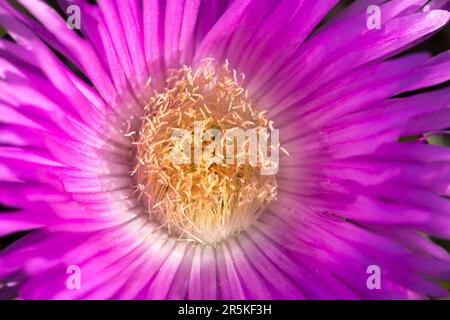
211	200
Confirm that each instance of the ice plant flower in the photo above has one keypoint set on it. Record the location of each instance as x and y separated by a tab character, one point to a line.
86	123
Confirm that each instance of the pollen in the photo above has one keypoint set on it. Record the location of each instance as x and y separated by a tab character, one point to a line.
199	187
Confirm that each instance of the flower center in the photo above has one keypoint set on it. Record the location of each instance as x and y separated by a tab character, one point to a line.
202	166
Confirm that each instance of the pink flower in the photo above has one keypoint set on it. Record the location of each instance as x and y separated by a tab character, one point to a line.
86	117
